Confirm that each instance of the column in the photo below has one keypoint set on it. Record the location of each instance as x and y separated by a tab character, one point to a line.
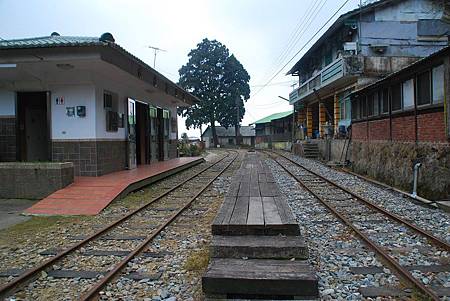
322	118
337	114
309	121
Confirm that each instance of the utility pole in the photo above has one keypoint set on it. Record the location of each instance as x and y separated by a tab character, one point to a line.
156	50
237	121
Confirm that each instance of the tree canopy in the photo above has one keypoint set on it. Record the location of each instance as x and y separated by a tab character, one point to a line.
219	80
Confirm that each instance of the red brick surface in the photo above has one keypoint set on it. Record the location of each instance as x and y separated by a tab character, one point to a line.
430	128
403	129
90	195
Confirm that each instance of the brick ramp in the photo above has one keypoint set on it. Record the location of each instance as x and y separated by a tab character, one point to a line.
255	236
90	195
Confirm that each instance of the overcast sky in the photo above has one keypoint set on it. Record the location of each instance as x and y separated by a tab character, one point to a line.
257	32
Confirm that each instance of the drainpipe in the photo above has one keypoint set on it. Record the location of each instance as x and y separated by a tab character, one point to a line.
416	177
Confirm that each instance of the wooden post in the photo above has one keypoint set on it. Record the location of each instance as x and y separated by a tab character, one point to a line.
309	121
322	118
337	114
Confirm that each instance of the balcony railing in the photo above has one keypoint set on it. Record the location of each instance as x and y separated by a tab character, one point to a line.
327	75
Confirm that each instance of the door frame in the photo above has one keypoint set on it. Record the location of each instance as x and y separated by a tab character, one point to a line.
19	144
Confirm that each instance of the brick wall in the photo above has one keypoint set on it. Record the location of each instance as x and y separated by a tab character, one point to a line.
359	131
7	139
173	151
431	127
379	129
31	180
403	128
111	156
91	158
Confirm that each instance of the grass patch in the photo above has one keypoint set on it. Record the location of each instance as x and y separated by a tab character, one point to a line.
37	224
197	261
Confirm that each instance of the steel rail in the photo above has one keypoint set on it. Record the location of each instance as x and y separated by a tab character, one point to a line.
95	290
405	274
28	276
379	250
436	240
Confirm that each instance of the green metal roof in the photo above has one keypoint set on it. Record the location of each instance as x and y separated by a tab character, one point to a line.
50	41
273	117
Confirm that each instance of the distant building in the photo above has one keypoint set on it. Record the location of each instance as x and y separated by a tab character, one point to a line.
361	47
227	137
274	131
85	100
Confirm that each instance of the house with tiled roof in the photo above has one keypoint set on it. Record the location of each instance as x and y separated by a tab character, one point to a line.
85	100
227	136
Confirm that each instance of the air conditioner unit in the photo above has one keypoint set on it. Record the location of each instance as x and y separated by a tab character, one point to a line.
350	46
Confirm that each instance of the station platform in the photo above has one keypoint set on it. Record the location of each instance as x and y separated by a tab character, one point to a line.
90	195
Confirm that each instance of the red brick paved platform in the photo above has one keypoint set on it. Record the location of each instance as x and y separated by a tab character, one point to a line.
89	195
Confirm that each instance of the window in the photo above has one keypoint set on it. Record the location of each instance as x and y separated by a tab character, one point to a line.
438	84
370	105
363	107
408	94
110	101
152	112
384	101
166	116
396	96
423	88
376	104
355	109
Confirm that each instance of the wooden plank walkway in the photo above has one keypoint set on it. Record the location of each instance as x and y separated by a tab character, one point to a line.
255	236
90	195
253	204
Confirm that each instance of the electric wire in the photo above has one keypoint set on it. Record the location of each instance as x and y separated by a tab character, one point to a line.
303	47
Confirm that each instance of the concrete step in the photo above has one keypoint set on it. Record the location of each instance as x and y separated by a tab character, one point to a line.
238	278
261	247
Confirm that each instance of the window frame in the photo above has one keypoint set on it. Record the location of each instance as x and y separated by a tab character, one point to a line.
400	85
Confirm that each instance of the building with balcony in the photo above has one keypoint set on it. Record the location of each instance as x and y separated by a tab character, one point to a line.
274	131
362	46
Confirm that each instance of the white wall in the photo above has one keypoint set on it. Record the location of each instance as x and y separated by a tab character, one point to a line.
65	127
100	127
7	103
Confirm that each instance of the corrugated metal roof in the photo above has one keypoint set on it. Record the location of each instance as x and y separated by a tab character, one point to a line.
50	41
273	117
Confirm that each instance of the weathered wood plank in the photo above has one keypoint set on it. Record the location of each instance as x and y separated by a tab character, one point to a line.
255	211
260	277
225	211
287	217
254	189
269	189
271	215
240	211
244	189
234	189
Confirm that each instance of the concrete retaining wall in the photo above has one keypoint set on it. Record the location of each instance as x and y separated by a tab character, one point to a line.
27	180
391	163
331	149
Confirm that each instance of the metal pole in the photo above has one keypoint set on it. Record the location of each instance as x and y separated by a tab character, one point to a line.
237	121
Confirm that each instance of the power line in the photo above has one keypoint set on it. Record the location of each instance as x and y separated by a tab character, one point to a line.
304	45
292	36
285	83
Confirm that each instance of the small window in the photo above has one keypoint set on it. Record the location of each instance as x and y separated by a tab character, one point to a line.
152	112
384	101
370	105
423	88
363	107
376	104
408	94
110	104
396	96
438	84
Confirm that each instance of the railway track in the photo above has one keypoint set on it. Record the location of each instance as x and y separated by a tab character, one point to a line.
367	220
129	236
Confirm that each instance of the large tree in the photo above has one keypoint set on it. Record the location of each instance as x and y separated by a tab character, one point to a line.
219	81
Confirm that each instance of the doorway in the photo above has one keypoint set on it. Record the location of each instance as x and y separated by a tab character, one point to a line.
142	134
160	134
32	126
